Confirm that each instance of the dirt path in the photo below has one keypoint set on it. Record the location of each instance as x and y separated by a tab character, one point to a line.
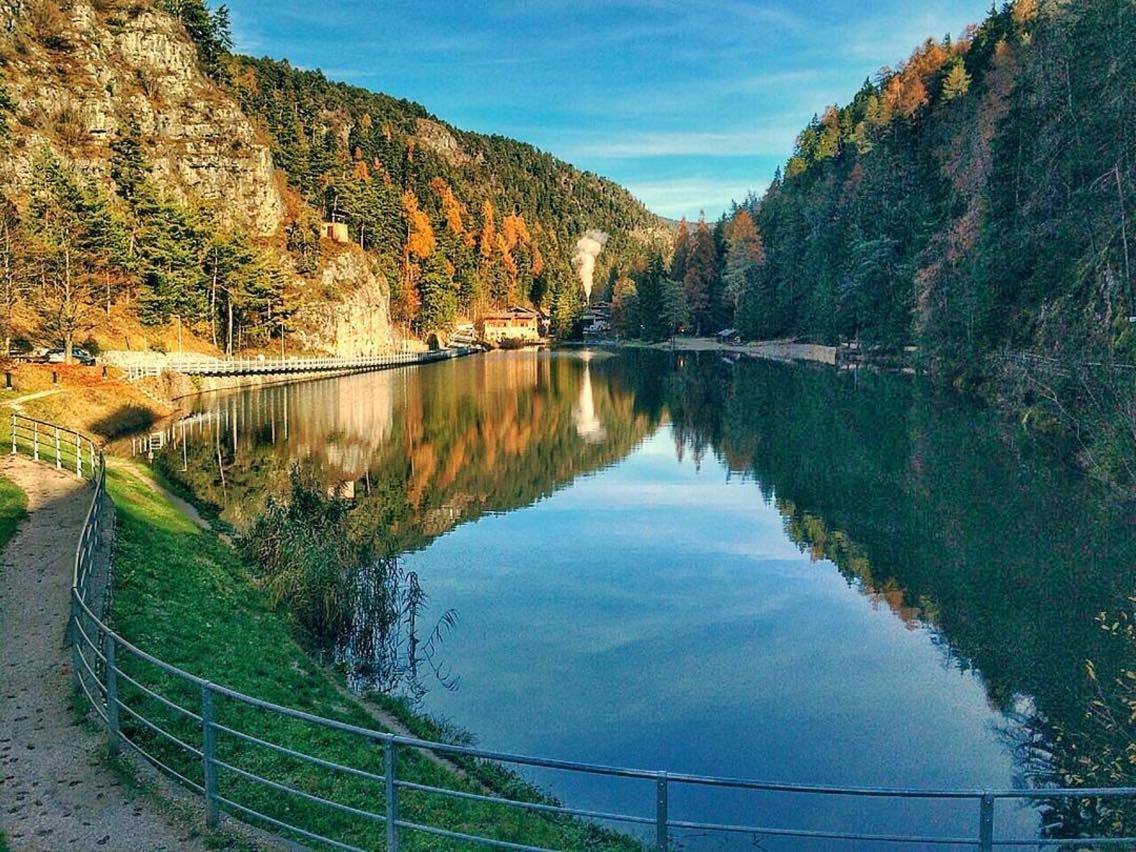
15	403
56	790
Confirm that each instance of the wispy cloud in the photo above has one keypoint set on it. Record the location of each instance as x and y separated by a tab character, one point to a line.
688	196
747	142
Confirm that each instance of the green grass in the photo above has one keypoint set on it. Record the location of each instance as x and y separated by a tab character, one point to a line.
182	594
13	509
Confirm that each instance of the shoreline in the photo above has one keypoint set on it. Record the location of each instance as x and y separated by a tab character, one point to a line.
772	350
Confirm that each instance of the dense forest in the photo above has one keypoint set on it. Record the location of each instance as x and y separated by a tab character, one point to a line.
451	222
459	220
974	198
969	209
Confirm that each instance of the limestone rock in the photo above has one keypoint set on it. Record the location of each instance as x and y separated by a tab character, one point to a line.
75	91
359	323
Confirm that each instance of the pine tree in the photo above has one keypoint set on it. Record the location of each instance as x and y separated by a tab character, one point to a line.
439	298
957	82
72	240
210	31
661	303
701	271
14	282
682	247
128	167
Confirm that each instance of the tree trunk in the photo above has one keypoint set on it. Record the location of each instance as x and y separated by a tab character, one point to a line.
68	311
1124	240
229	341
213	301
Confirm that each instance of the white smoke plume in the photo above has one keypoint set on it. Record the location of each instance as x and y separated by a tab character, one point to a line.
588	248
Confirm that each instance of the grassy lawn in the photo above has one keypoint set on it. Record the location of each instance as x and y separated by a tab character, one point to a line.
13	508
184	595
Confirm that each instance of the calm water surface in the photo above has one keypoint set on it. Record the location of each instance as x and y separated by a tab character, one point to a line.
752	569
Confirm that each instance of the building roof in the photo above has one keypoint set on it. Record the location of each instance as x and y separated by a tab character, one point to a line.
502	316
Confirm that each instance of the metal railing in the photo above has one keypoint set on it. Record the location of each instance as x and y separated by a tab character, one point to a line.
198	732
265	366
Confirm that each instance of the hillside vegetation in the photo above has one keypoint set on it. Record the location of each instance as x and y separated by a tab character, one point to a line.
975	198
975	203
147	166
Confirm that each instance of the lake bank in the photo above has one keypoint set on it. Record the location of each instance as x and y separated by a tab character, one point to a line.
776	350
182	590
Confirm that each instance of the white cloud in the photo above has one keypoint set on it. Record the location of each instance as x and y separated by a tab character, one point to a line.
688	195
770	140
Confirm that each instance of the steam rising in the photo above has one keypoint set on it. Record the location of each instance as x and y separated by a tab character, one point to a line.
588	248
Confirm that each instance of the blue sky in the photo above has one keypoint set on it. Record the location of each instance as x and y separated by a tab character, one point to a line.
689	103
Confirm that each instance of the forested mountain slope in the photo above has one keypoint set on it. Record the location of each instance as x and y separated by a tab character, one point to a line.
505	216
150	175
978	198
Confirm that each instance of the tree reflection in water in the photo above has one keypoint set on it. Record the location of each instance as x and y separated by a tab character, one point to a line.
1019	567
930	506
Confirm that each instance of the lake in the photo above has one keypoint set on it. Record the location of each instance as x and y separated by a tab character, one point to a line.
745	569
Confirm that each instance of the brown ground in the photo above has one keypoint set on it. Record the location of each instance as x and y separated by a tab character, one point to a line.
81	398
56	790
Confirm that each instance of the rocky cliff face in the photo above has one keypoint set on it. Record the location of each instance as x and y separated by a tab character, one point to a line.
77	75
360	323
77	72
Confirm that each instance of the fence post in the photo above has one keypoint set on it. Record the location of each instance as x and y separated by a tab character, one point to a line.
662	841
13	433
35	440
986	824
209	775
78	456
58	453
392	796
111	674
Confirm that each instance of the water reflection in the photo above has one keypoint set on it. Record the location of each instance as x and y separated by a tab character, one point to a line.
990	559
959	526
588	425
416	452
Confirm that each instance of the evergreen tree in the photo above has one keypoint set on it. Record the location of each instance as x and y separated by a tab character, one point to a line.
439	305
701	277
128	167
957	82
209	29
72	240
170	247
14	283
682	248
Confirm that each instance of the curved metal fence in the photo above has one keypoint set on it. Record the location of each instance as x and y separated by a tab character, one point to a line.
368	789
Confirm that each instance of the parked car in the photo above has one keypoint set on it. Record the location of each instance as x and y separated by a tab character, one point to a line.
80	356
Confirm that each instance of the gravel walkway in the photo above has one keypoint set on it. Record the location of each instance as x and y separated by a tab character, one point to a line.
56	790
